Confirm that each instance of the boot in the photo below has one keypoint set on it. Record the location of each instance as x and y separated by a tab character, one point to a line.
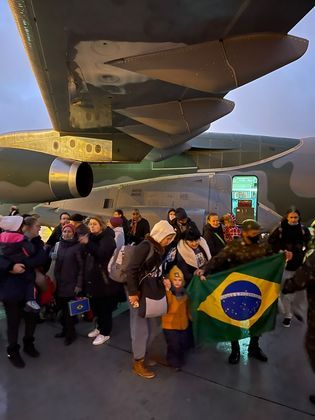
140	369
70	339
61	334
312	398
29	348
235	355
14	356
255	351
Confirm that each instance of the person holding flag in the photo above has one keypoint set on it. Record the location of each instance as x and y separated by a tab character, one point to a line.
239	301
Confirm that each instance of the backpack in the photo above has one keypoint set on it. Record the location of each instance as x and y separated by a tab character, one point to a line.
118	267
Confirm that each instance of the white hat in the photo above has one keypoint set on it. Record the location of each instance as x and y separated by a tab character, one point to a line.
162	229
11	223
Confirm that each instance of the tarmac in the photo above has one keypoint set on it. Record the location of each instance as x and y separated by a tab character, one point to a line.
85	382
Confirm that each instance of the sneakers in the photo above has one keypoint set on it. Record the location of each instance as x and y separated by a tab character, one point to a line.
140	369
94	333
100	339
15	357
32	306
286	323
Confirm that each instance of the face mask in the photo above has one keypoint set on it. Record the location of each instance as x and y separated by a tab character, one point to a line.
254	239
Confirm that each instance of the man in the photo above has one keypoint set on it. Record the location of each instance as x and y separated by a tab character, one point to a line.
76	220
139	227
241	251
64	219
182	223
291	235
125	225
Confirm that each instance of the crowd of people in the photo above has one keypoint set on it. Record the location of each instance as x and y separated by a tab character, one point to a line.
80	254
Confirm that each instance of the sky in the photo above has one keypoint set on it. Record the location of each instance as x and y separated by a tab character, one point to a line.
279	104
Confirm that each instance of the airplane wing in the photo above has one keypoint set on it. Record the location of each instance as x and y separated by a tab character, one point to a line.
151	73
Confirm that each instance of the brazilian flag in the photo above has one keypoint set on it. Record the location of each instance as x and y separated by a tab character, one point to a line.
236	303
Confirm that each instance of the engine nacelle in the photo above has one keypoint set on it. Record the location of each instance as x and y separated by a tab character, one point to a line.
27	176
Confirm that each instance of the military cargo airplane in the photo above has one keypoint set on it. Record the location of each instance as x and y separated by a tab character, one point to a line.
254	177
127	82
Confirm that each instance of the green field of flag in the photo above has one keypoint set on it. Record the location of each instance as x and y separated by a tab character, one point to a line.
237	303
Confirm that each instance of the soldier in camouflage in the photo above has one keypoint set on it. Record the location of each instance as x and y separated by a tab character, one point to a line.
241	251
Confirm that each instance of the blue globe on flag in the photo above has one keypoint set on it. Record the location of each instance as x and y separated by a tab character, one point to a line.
241	300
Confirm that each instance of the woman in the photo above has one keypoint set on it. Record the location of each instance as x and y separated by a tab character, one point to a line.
147	261
213	234
69	278
171	215
15	280
192	253
102	291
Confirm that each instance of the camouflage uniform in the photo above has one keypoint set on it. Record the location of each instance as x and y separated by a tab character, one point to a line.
305	279
236	253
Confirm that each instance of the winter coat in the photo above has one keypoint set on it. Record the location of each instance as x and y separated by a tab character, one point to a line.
304	278
139	267
142	229
69	267
186	258
98	252
214	238
291	238
14	287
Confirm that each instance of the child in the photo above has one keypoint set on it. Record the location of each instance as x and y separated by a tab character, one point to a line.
175	323
16	248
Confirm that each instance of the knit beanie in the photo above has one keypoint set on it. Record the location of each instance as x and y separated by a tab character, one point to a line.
11	223
69	226
116	221
162	229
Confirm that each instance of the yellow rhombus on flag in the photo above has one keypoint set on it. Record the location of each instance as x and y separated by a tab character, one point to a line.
258	293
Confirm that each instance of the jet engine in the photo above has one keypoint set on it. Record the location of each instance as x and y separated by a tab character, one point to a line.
27	176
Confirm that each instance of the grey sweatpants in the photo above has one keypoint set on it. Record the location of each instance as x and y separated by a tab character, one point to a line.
292	302
143	331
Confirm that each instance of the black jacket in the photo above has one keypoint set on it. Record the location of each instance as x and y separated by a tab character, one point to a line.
214	238
291	238
142	229
139	267
98	252
180	230
69	267
55	236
